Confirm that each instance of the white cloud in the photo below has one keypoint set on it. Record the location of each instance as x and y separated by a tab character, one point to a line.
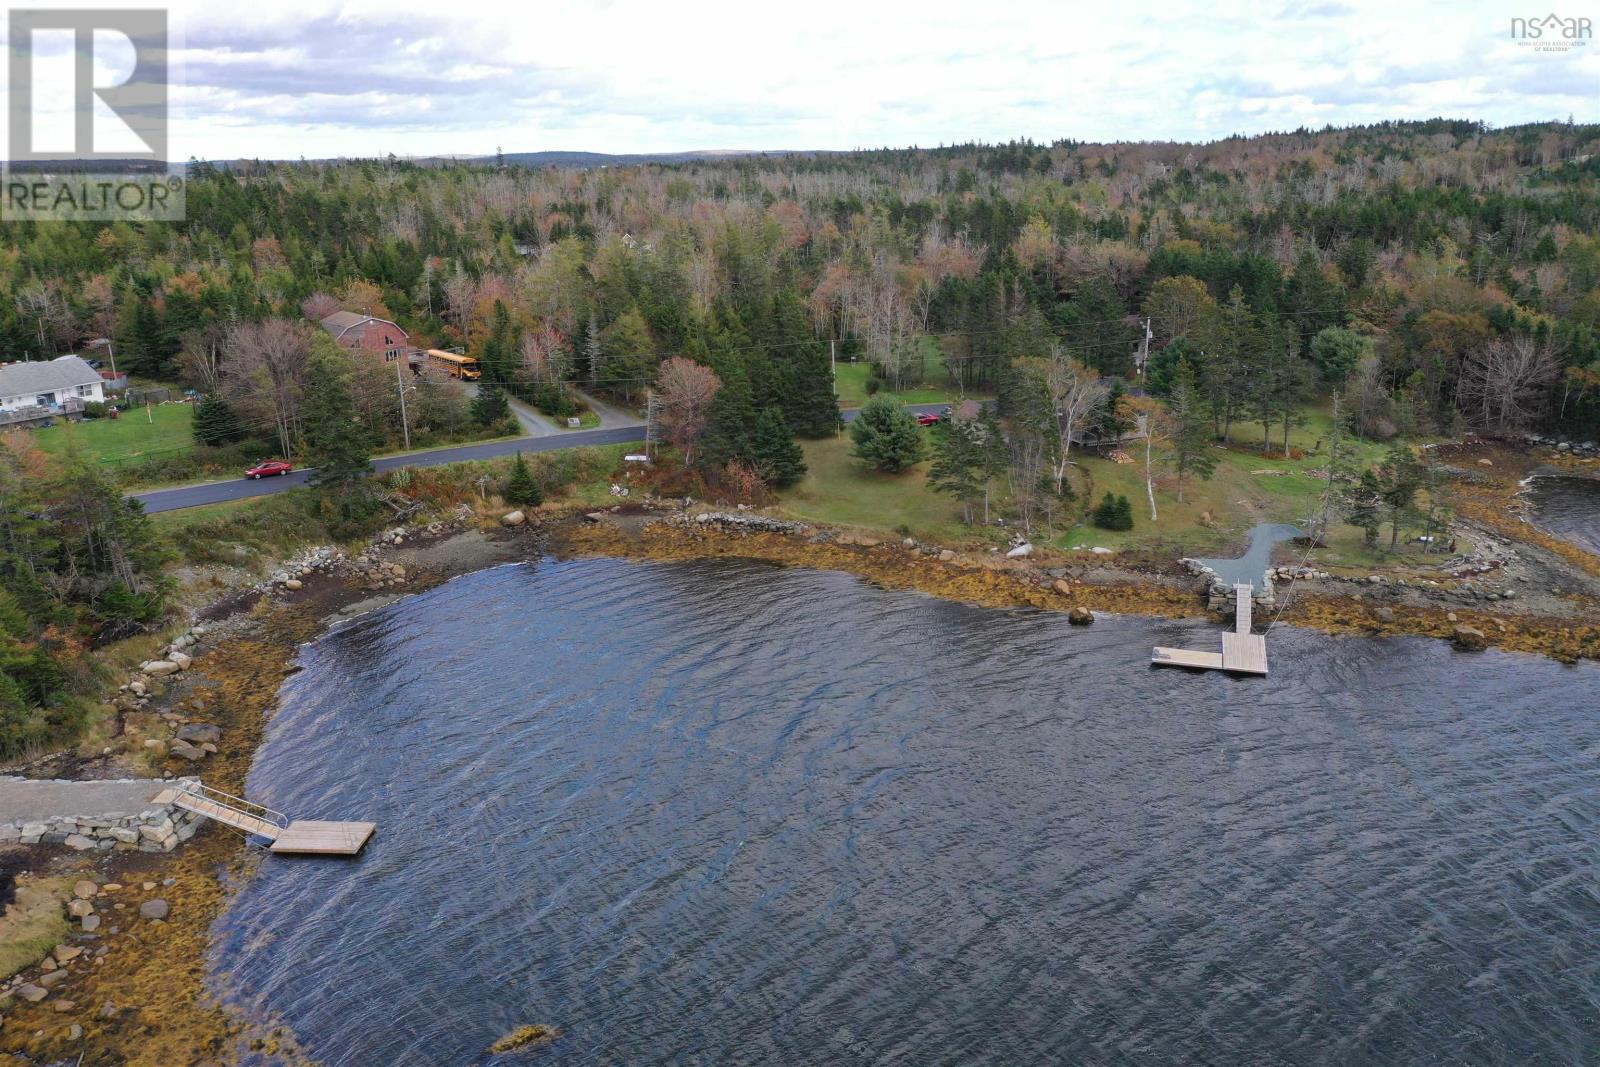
374	76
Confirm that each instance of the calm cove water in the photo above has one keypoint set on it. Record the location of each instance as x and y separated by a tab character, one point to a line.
725	813
1252	566
1569	508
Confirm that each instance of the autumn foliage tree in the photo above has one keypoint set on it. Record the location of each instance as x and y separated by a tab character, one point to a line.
684	392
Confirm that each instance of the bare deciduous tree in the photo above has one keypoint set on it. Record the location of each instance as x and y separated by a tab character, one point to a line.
545	355
684	390
319	306
460	293
1155	426
264	374
1076	395
1505	384
200	357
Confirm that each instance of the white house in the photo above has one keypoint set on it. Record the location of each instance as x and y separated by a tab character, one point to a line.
62	384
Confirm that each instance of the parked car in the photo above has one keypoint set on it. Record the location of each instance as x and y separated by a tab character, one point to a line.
268	468
927	418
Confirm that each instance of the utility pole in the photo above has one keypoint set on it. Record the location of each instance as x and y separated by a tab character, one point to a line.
833	373
400	384
649	422
1144	349
105	342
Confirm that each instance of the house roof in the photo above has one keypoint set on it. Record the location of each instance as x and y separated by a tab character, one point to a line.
63	372
341	322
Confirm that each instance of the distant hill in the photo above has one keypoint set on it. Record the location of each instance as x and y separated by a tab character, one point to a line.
565	160
589	160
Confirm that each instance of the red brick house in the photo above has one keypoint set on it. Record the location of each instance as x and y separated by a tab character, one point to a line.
356	331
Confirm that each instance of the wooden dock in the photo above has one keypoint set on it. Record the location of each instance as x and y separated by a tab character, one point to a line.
1242	651
306	837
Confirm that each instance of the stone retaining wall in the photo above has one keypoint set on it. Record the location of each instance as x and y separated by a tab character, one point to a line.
157	828
740	522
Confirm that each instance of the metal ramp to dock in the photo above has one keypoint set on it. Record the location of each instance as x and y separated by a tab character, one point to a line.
297	836
1242	651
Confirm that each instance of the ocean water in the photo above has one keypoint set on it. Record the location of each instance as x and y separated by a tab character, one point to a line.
726	813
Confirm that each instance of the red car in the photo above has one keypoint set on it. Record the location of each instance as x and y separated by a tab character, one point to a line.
927	418
268	468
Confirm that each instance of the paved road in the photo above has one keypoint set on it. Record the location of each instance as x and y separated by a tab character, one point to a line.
533	424
189	496
611	417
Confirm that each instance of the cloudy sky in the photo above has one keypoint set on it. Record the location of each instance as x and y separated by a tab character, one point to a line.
286	78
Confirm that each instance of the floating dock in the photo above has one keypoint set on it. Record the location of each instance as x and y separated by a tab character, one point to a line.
1242	651
305	837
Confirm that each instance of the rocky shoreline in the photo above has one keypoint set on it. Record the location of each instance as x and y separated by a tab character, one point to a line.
129	985
1489	599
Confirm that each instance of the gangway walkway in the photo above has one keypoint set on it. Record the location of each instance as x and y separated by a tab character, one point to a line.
299	836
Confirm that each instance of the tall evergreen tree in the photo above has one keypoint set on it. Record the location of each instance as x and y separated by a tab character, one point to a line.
627	352
1399	479
498	356
490	405
957	467
775	454
215	422
1341	471
336	443
1192	454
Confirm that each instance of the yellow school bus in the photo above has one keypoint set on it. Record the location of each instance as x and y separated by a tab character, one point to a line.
463	367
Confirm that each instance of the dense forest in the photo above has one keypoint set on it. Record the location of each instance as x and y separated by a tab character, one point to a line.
1460	265
1437	277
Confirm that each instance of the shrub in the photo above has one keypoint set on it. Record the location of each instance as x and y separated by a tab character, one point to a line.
521	489
1113	513
554	400
887	436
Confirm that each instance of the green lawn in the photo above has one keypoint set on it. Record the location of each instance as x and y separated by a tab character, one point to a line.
1247	487
163	429
839	489
587	420
850	382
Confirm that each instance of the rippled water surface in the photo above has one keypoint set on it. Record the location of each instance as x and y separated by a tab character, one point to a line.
1569	508
724	813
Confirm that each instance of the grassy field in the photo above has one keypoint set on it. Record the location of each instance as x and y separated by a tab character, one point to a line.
850	382
840	489
165	430
1247	487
